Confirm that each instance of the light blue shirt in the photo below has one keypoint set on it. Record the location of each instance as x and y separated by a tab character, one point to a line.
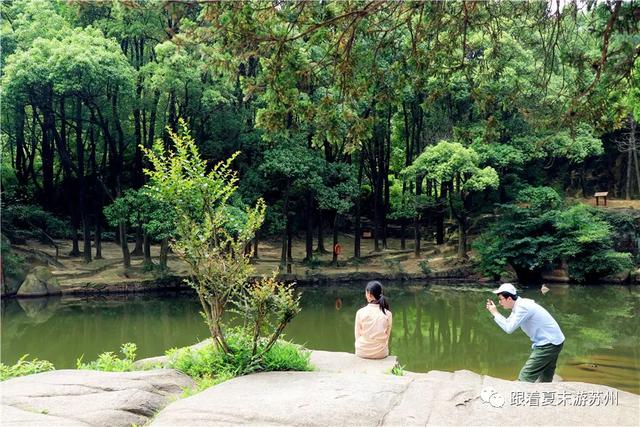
534	320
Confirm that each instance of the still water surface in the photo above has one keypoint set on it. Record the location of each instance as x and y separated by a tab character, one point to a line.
435	327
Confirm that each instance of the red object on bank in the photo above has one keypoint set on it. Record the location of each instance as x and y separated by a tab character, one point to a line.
337	249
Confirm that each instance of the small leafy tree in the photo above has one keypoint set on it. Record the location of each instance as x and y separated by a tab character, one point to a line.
138	208
457	168
211	239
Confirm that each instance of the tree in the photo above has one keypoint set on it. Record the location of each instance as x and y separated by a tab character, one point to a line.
213	243
457	169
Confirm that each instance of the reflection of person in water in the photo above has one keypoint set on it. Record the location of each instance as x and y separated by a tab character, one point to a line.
538	324
373	324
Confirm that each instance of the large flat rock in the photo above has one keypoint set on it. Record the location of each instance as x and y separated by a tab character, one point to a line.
339	362
88	398
435	398
289	398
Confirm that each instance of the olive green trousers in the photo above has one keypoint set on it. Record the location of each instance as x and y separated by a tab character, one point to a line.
541	364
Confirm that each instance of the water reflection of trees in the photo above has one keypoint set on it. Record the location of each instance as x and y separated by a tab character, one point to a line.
445	328
449	328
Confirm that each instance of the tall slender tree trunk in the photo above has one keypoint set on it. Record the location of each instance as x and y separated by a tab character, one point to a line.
22	173
335	239
416	219
82	186
164	253
126	256
358	231
627	193
632	143
309	228
47	157
320	248
146	245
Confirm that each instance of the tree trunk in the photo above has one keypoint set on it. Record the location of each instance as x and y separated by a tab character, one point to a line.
146	245
137	250
289	240
309	230
416	218
48	199
164	253
82	186
285	232
358	231
321	249
632	140
126	256
22	173
627	194
335	239
442	197
462	239
72	197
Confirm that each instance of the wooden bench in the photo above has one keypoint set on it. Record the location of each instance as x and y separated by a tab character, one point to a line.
602	194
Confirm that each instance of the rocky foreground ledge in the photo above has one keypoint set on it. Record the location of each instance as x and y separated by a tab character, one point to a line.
344	390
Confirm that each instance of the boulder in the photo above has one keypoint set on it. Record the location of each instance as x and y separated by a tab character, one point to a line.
339	362
373	399
39	282
89	398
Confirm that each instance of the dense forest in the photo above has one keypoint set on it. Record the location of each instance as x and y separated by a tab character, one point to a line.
413	120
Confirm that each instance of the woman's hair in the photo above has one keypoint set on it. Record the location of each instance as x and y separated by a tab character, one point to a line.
375	289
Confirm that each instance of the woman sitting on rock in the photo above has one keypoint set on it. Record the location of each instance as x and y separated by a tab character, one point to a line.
373	324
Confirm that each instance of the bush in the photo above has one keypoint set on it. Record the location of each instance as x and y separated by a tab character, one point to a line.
108	361
424	266
21	222
212	365
537	232
24	367
12	263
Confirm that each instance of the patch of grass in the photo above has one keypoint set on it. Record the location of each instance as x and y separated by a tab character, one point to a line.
24	367
209	366
398	370
109	362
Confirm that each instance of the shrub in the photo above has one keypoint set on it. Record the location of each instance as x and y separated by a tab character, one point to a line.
24	367
424	267
211	235
21	222
108	361
538	232
211	365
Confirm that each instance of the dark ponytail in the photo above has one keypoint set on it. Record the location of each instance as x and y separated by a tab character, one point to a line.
375	289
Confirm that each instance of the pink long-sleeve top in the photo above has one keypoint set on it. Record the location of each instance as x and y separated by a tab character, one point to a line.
372	330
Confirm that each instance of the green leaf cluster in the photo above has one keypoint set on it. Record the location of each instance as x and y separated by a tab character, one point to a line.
24	367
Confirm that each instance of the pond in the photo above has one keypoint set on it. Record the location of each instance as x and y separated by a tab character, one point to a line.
435	327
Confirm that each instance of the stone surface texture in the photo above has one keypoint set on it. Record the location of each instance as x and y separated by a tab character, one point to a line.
88	398
346	390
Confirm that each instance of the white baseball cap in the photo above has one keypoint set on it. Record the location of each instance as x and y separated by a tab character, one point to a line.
506	287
